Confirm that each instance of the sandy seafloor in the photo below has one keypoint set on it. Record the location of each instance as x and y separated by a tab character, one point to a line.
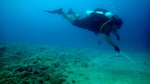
45	64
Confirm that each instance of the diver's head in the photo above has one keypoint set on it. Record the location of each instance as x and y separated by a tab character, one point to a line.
117	21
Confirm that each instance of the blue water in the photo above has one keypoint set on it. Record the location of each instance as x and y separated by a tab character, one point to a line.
45	56
24	21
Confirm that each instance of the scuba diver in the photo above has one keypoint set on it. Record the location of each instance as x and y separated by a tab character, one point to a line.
99	21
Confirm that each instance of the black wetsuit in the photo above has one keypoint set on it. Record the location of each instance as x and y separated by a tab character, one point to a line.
93	23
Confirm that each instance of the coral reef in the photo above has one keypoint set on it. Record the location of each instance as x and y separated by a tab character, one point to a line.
30	64
37	65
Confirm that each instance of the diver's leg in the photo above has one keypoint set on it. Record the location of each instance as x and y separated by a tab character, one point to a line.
60	12
68	18
75	15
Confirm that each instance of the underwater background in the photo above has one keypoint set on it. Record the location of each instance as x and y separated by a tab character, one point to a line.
23	24
25	21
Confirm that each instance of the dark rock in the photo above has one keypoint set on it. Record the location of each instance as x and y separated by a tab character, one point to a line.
141	73
26	74
146	64
19	53
86	78
52	70
1	54
21	69
59	81
36	72
38	58
35	62
81	74
42	74
47	78
41	81
67	82
65	76
84	65
3	49
70	71
28	69
56	65
73	81
26	82
44	68
42	49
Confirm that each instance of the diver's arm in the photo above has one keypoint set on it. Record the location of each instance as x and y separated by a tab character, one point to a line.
114	31
117	35
110	41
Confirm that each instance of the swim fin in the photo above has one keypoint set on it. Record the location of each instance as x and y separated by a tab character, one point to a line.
57	11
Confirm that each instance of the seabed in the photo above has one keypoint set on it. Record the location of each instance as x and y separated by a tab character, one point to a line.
45	64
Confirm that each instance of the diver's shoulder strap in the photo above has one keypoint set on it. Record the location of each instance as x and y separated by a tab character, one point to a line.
104	24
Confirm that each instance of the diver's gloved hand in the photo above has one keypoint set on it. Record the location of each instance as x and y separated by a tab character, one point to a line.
117	49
